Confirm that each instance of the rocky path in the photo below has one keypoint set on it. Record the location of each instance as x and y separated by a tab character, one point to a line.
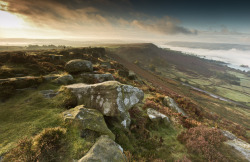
154	79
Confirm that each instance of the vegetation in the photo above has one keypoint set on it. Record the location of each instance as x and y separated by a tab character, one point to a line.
195	137
228	78
204	141
49	145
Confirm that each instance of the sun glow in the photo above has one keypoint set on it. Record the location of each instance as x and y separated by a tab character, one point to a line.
8	20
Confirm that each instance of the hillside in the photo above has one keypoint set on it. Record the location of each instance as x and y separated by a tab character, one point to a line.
120	103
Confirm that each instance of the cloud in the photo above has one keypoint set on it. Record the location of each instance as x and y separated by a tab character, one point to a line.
78	17
165	26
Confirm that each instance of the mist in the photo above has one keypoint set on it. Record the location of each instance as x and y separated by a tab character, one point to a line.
233	57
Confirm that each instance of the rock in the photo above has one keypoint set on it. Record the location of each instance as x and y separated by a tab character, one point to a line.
55	57
24	82
50	77
96	78
104	150
90	119
111	98
106	64
20	75
65	79
3	80
123	73
167	101
238	144
156	116
131	75
229	135
78	65
49	93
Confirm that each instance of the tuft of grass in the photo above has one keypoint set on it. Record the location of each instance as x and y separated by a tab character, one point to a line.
50	145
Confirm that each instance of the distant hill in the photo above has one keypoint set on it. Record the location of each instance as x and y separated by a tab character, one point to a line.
148	53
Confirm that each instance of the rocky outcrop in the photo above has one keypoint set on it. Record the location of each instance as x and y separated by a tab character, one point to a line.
156	116
111	98
238	144
78	65
90	119
167	101
65	79
104	150
96	78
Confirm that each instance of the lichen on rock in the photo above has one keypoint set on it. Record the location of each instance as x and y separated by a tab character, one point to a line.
90	119
156	116
111	98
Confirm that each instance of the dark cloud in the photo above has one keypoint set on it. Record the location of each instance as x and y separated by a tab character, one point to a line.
165	25
94	15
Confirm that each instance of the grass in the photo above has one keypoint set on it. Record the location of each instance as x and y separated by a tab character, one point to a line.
26	114
173	149
78	146
233	95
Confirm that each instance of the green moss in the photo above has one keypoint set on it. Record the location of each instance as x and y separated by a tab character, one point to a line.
66	99
78	146
26	114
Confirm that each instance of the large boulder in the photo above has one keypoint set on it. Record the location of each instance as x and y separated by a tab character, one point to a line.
111	98
96	78
78	65
104	150
156	116
89	119
168	101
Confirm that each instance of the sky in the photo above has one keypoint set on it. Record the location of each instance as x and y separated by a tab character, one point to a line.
149	20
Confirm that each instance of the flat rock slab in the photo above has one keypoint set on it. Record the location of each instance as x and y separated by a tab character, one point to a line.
96	77
88	119
65	79
111	98
104	150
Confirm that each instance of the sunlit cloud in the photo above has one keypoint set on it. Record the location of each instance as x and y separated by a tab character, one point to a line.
87	18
